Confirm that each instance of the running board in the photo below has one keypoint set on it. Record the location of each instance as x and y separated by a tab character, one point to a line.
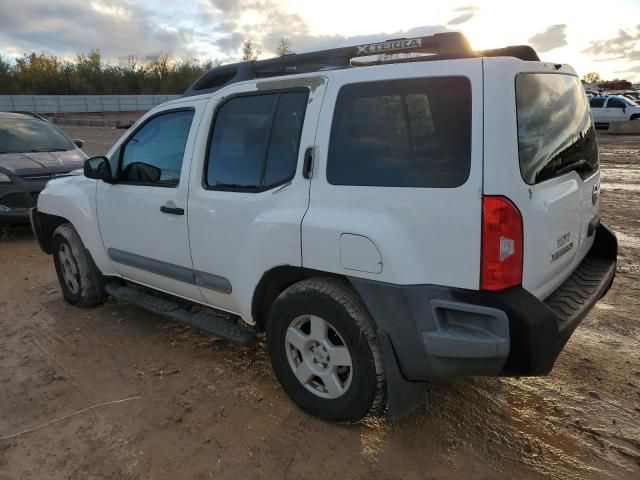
218	326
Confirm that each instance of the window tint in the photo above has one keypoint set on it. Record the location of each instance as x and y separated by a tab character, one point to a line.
154	153
615	103
285	138
596	102
555	133
255	141
402	133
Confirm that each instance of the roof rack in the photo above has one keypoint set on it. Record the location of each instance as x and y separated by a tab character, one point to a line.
440	46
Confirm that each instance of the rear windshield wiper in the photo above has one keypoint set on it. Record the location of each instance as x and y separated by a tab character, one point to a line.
579	166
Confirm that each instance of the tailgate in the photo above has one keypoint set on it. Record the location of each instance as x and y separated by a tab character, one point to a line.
550	170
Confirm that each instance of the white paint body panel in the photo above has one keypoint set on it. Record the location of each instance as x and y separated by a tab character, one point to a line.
549	209
424	235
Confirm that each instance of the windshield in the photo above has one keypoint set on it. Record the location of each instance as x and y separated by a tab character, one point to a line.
555	132
21	135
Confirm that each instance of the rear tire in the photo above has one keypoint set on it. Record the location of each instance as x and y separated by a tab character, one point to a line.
81	282
324	351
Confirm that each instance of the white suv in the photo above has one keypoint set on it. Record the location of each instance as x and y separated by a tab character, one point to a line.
614	108
386	223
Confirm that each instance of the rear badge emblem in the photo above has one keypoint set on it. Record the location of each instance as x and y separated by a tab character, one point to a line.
563	244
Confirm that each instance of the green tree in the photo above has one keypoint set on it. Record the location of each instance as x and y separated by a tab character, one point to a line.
249	51
592	77
38	72
284	47
88	73
6	76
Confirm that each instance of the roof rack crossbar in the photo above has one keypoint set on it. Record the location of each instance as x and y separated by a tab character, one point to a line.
434	47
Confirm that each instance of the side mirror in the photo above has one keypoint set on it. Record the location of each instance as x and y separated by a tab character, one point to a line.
98	168
79	143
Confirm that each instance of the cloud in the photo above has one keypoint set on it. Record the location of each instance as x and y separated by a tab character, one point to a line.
116	27
265	22
624	45
206	28
466	14
553	37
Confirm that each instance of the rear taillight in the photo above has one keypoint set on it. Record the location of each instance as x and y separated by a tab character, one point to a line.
501	263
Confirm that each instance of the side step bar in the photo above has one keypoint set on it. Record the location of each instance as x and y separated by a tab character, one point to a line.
217	326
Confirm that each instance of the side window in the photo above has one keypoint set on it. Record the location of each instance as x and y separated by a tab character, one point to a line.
255	141
153	155
402	133
596	102
615	103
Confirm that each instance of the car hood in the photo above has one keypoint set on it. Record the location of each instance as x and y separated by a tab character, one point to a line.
41	162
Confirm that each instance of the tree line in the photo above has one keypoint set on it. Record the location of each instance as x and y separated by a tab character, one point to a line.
89	74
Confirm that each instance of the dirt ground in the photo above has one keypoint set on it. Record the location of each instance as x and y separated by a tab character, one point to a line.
195	407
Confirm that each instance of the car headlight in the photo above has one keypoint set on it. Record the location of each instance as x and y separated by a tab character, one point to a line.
4	178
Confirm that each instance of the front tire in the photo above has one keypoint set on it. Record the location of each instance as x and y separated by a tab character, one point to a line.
81	282
324	351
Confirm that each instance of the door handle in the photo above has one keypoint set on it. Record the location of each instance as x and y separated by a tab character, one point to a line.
172	210
307	166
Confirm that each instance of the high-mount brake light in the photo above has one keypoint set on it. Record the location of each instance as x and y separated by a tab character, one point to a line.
501	262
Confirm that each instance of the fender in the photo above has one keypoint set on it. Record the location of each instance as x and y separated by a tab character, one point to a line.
74	199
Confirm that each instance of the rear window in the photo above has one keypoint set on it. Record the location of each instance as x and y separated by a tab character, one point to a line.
555	132
255	141
402	133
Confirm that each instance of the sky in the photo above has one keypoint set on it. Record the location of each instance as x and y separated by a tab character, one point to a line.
589	35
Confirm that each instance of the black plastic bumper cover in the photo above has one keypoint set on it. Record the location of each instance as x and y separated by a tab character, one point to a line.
538	330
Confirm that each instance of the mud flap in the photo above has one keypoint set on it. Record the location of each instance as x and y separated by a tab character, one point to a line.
403	396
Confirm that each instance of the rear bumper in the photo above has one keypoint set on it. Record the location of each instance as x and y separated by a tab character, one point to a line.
441	332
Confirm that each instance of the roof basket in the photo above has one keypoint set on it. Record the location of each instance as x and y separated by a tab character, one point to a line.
433	47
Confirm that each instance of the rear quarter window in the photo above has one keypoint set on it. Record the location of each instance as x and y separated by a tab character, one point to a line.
402	133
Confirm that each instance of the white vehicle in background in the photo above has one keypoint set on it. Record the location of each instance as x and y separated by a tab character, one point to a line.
613	108
386	223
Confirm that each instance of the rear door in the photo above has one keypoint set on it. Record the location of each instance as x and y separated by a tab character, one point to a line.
248	194
541	152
